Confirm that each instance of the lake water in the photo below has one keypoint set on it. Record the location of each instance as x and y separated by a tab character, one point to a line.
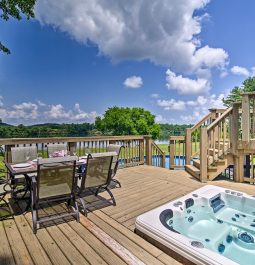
178	161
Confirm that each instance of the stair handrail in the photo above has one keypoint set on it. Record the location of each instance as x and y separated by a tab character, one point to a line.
215	132
220	118
160	155
177	143
218	138
190	144
201	122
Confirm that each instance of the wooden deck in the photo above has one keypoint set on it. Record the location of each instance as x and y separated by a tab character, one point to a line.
106	236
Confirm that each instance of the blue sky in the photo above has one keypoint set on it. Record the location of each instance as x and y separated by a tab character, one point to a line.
174	58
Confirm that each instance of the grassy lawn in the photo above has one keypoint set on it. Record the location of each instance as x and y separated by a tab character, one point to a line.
2	166
164	147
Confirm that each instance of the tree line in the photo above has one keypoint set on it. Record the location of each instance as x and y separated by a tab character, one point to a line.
115	121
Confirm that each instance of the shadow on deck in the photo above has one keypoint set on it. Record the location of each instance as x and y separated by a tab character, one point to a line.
106	236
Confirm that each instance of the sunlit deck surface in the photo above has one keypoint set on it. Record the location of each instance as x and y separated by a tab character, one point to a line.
106	236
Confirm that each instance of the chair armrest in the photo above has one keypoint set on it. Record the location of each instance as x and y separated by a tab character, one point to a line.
33	190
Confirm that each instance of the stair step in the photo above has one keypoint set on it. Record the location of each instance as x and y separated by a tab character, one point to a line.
212	169
195	172
221	162
196	163
211	151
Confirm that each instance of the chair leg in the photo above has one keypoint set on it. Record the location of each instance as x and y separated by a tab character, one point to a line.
117	182
97	191
84	207
34	218
112	197
77	211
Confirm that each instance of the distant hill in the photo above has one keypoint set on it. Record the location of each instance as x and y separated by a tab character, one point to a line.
44	124
5	124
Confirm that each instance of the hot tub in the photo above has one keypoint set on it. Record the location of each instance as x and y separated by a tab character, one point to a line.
211	225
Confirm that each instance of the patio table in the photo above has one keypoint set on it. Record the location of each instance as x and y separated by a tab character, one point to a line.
29	171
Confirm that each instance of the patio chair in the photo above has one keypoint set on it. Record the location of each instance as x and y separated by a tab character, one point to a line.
115	162
22	154
53	148
55	181
97	175
5	188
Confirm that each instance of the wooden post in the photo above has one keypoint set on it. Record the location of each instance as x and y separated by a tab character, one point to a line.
188	140
238	170
171	153
141	150
213	116
234	130
72	147
148	141
245	118
8	155
164	160
203	154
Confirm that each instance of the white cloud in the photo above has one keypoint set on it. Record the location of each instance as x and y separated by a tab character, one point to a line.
164	32
192	110
31	113
155	95
58	112
224	73
210	57
238	70
253	71
40	103
160	119
171	104
25	110
201	106
133	82
1	102
186	86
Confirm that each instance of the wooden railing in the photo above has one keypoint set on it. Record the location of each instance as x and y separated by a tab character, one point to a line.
157	155
137	150
218	139
193	134
177	147
248	116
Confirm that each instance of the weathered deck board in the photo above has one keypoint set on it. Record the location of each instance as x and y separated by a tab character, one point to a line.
106	236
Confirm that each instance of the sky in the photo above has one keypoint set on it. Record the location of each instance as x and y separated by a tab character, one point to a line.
175	58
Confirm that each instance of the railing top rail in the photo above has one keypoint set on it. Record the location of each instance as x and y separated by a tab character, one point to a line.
179	137
158	148
248	93
219	119
13	141
217	110
196	126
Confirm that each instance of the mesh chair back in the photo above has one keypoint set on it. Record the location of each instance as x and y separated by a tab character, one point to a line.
55	148
97	170
23	154
56	177
114	148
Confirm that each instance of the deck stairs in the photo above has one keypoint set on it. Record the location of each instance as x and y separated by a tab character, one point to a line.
216	144
215	168
223	138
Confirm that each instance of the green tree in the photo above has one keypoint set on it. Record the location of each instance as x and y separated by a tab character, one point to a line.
15	9
127	121
248	85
